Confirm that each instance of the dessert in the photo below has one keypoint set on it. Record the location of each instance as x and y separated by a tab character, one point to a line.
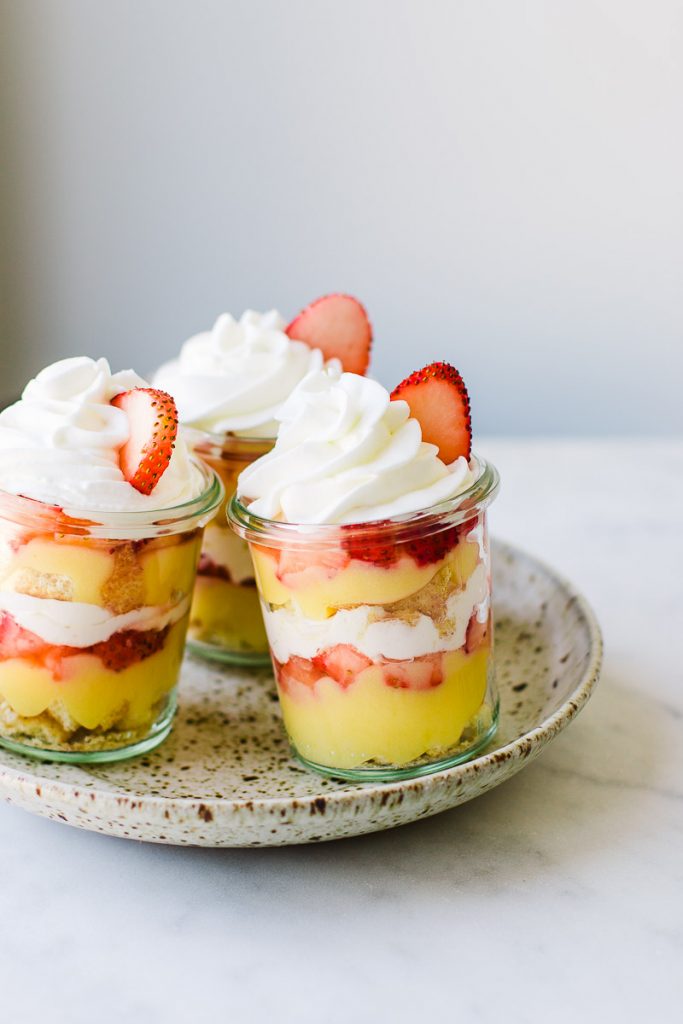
229	385
371	556
101	518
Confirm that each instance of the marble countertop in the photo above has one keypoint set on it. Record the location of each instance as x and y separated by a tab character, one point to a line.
556	897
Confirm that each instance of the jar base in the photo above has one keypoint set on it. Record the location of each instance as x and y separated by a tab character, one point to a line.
161	729
212	652
416	770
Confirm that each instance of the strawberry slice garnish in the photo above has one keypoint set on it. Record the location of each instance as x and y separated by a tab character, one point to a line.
153	420
338	325
439	401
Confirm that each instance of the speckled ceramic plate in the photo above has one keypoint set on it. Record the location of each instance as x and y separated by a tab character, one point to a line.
225	778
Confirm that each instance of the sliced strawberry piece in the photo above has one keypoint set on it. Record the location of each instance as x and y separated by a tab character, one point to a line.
434	547
377	552
477	633
17	642
298	567
438	400
129	646
296	670
153	420
343	663
338	325
418	674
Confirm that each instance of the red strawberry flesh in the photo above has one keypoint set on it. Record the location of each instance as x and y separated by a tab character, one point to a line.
153	421
438	400
338	325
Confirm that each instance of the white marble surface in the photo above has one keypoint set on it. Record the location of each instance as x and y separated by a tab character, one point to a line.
557	897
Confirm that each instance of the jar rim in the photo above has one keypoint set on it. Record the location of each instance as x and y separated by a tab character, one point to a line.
120	525
195	435
451	512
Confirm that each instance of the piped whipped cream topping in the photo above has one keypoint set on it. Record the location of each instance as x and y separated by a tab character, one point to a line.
236	377
60	443
345	453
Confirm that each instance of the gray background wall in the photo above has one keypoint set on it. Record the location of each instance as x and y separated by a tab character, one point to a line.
500	182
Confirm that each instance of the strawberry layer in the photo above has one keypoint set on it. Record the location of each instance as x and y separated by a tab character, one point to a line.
120	650
88	692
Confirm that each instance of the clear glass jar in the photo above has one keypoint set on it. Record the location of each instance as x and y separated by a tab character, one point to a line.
381	635
93	616
226	622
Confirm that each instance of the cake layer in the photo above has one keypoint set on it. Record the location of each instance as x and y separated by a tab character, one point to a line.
117	576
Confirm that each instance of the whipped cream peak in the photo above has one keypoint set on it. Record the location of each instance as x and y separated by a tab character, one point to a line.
60	443
346	453
236	377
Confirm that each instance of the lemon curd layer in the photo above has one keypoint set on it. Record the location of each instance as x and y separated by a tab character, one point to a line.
76	569
370	722
227	614
89	695
359	582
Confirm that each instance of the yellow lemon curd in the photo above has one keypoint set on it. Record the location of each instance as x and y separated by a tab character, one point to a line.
369	722
228	615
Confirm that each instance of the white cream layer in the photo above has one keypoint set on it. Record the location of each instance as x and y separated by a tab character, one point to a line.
292	634
76	624
225	548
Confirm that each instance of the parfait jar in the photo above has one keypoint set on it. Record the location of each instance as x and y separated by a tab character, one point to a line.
225	621
381	635
94	610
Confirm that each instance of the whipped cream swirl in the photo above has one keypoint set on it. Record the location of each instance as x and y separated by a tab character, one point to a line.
345	453
60	444
235	378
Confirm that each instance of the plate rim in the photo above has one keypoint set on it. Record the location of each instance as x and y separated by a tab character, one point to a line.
13	780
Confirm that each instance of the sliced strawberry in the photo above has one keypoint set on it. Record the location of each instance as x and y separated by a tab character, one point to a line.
382	553
439	401
296	670
343	663
434	547
128	646
17	642
338	325
478	633
153	420
298	567
419	674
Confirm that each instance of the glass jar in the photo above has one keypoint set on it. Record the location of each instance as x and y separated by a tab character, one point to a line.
93	616
381	635
226	622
